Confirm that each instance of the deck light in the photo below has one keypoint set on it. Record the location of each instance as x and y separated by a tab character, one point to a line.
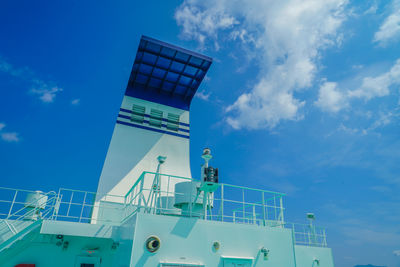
265	252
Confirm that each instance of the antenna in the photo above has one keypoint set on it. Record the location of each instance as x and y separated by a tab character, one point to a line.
312	235
155	192
310	217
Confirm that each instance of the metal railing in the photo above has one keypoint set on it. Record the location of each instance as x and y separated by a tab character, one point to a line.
16	209
155	193
228	203
308	234
18	214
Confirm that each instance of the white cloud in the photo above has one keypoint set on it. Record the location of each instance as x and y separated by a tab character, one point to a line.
380	120
198	22
378	86
330	98
46	95
390	28
75	101
287	37
45	90
10	137
203	95
265	110
348	130
357	67
381	188
372	9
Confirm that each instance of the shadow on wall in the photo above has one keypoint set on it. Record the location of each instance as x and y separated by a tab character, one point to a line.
184	226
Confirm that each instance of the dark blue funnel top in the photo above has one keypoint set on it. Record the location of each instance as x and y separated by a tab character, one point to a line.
166	74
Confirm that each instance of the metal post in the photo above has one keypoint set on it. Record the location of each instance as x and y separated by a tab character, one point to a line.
140	193
294	243
209	204
190	200
70	201
166	204
281	211
12	204
205	205
263	208
222	202
83	205
244	207
58	204
254	214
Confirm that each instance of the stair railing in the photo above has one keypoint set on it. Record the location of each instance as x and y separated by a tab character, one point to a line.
24	214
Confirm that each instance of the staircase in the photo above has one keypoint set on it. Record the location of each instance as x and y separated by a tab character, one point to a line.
28	218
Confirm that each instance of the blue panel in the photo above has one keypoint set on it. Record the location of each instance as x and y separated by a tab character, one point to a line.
168	87
163	62
177	67
172	77
196	61
163	73
159	73
185	80
189	70
145	69
155	83
167	52
153	47
182	56
141	79
149	58
180	89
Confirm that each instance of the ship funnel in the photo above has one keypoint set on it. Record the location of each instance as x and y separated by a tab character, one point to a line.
153	118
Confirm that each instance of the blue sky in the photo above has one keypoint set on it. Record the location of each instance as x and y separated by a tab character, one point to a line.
302	97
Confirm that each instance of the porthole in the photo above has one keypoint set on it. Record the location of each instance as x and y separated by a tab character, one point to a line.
153	243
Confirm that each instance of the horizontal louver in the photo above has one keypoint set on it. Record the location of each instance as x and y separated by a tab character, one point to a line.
173	122
155	118
138	113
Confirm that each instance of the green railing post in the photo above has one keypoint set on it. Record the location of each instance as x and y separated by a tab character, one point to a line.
281	211
263	207
222	202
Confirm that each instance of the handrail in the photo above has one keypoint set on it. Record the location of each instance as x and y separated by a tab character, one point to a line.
32	202
135	184
141	177
246	205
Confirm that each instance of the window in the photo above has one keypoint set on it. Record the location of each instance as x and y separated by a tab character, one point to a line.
138	113
156	118
173	122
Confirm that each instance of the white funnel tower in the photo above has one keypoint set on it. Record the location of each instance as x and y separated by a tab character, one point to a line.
153	119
